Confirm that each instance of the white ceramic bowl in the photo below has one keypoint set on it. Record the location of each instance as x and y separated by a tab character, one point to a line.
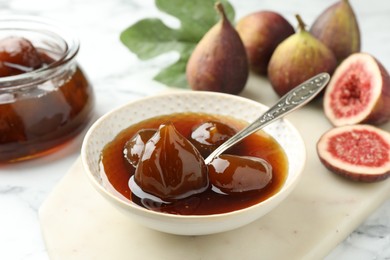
108	126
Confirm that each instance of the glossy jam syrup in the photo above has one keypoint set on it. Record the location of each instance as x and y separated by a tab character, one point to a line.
116	170
39	120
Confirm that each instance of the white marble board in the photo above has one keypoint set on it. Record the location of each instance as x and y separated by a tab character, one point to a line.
320	213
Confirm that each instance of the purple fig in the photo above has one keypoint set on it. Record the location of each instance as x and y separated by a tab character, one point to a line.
337	28
219	61
261	32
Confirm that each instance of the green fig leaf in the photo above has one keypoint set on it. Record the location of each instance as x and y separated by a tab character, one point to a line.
150	37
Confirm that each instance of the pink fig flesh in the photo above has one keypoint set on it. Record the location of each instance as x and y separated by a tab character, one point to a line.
357	152
359	92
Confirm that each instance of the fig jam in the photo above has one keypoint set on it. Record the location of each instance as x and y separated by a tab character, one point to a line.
45	98
116	169
30	126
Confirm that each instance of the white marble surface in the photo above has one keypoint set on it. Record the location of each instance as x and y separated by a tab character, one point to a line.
118	76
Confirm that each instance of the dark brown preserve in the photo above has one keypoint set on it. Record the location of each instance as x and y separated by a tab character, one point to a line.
116	170
37	120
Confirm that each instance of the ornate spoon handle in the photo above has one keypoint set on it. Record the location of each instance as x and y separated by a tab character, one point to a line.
291	101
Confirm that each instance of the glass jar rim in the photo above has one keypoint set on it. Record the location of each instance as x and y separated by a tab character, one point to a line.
43	26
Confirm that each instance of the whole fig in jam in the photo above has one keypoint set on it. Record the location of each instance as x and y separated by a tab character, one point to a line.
219	62
17	56
170	167
236	174
337	28
298	58
209	135
135	146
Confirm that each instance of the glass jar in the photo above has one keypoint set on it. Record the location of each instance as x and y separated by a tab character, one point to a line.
42	109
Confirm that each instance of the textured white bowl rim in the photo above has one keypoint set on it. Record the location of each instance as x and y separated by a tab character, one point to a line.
287	187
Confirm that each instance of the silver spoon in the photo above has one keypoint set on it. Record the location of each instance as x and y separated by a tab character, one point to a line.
294	99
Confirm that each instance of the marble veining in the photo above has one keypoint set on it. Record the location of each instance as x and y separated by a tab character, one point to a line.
118	77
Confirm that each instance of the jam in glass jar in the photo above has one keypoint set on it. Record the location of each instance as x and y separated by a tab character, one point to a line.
45	99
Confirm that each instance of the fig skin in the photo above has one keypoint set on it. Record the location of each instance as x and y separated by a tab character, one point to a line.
219	62
338	28
372	103
344	140
298	58
261	32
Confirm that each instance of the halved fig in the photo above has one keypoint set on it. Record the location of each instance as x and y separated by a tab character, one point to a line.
359	92
357	152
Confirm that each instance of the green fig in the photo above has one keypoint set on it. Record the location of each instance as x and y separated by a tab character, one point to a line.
261	32
219	62
298	58
337	28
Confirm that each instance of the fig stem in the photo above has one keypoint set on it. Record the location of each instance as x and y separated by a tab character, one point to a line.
301	23
220	10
